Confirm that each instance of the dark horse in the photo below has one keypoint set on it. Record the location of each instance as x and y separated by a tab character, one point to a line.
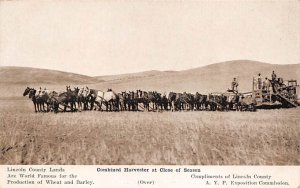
173	101
31	93
217	101
64	98
39	100
123	101
188	101
200	101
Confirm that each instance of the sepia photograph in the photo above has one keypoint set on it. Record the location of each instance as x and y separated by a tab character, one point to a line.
150	82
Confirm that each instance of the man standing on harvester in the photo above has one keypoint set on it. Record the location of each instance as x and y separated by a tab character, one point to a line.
234	85
274	82
259	82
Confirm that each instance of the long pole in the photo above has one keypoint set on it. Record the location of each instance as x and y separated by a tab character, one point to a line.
253	95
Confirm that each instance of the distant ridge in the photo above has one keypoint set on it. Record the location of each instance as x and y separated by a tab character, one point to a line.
210	78
27	75
129	76
214	77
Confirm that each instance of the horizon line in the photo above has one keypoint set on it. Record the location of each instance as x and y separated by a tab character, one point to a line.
168	70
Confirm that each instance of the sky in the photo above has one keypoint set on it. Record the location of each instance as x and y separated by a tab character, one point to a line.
114	37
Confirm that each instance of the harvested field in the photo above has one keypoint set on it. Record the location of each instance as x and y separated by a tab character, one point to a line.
266	137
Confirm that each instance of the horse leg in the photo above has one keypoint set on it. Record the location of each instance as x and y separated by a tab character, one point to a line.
114	107
85	105
117	106
48	107
172	106
92	105
34	104
56	107
41	109
78	104
43	104
38	106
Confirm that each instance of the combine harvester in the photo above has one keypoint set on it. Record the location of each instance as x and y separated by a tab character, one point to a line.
281	95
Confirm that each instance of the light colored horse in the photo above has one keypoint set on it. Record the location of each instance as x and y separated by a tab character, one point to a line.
82	98
109	98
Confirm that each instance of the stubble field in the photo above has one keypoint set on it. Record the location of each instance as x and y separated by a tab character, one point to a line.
266	137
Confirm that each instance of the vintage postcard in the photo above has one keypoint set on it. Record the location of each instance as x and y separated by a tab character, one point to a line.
149	93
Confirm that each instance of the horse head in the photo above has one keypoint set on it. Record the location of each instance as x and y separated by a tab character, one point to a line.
158	95
26	91
203	98
80	92
90	93
85	92
68	88
76	89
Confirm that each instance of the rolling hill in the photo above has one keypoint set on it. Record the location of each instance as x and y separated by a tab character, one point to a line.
25	75
211	78
137	75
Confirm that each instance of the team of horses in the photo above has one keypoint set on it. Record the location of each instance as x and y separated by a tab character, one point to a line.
80	99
